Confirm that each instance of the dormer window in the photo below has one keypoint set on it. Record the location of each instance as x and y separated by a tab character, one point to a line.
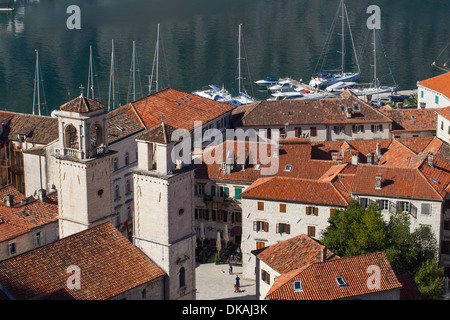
288	168
298	286
341	283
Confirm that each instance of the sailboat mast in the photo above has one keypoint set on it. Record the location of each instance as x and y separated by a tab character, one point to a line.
157	60
134	70
91	75
36	86
375	80
112	90
343	38
239	58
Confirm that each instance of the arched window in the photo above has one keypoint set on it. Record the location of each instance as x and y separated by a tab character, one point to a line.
144	294
128	186
127	159
71	137
96	136
117	192
182	277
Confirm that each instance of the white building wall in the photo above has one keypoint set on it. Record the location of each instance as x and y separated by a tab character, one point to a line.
443	128
430	99
27	241
295	216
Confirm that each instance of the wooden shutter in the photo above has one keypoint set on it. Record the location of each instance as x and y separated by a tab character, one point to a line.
298	132
316	211
307	211
282	207
277	228
226	192
313	131
288	228
266	227
311	231
255	225
260	205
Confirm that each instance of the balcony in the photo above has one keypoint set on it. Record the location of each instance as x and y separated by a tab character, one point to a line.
217	199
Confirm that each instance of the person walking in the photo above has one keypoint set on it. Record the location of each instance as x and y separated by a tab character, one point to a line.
237	284
230	269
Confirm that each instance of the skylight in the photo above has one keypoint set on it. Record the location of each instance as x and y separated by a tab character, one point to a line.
298	286
434	180
341	283
257	166
356	107
120	128
288	168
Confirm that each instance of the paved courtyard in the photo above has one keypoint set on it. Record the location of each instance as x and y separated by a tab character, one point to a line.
215	283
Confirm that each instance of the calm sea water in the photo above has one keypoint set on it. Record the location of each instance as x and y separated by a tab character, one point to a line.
199	44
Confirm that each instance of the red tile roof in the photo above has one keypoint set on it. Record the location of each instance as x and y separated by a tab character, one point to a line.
398	182
296	155
25	214
412	119
294	253
176	108
297	190
323	111
82	104
109	265
439	84
319	279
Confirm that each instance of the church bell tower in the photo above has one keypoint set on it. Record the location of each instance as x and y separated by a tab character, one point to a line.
84	166
164	211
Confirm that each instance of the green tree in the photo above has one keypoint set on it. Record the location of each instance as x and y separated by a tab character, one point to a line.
411	101
357	230
430	280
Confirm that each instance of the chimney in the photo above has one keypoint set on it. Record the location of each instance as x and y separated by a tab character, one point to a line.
334	156
378	151
42	195
349	112
9	200
323	253
379	179
370	158
355	158
431	160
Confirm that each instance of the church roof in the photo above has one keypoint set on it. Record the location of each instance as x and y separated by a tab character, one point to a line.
109	263
160	134
82	104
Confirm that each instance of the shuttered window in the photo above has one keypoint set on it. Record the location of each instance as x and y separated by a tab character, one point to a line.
260	205
283	207
311	231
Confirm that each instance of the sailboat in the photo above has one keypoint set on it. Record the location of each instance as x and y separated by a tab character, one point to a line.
132	93
243	97
327	77
213	92
375	87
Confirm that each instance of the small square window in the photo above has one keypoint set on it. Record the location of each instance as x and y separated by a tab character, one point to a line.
298	286
288	168
341	283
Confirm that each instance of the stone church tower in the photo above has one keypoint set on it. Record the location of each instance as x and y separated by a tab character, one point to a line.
84	163
164	211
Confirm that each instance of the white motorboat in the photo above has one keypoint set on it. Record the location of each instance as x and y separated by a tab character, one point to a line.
7	10
285	84
340	86
269	81
325	79
373	91
213	92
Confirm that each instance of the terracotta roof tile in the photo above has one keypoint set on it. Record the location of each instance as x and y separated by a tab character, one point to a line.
82	104
297	190
324	111
25	213
102	253
176	108
319	279
412	119
439	84
294	253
